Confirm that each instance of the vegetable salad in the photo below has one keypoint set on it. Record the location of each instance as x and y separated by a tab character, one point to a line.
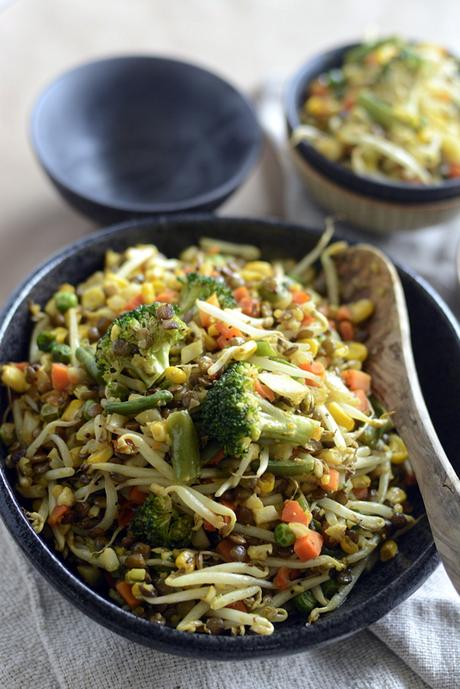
392	112
199	440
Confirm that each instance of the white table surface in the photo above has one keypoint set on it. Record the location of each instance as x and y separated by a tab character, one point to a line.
244	40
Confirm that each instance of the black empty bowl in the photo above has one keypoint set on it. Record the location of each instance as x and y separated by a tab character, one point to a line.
130	136
377	592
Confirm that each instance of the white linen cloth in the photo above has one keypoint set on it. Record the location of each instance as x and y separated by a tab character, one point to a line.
46	643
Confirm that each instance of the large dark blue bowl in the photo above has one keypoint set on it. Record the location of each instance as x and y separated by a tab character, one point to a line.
132	136
435	339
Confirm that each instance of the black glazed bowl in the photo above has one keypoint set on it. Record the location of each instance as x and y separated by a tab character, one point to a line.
388	584
375	205
131	136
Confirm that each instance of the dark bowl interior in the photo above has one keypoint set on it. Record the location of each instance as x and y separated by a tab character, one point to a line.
377	593
295	96
130	136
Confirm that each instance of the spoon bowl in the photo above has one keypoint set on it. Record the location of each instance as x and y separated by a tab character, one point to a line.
366	273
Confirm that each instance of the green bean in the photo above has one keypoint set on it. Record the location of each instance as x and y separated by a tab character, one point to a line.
135	406
185	453
361	51
86	357
305	602
294	467
381	112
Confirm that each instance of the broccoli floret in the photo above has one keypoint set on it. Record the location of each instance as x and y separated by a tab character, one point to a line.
202	287
158	523
234	415
138	343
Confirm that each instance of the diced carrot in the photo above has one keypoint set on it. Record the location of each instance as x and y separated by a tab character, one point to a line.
57	515
134	302
205	318
218	457
292	512
238	605
454	170
250	306
21	365
264	391
363	400
357	380
169	296
349	102
241	293
346	330
228	331
309	546
333	484
283	578
343	313
300	297
360	493
126	592
319	88
60	378
224	548
137	496
315	367
125	514
307	320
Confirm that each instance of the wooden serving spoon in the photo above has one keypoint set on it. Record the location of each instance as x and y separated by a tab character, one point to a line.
366	273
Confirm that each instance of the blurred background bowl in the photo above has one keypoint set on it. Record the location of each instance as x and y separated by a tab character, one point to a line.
368	203
139	135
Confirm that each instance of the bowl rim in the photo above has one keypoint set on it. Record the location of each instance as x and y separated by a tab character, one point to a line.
45	560
208	198
296	86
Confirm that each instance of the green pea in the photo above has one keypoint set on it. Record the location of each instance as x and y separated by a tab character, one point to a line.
61	353
45	341
305	602
284	536
65	301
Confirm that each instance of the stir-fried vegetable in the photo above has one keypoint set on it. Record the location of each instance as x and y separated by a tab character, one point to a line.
391	112
222	469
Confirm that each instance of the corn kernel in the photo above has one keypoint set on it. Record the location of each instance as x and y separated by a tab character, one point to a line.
312	344
348	546
100	456
361	310
396	495
185	561
262	267
451	149
321	107
71	410
116	303
158	285
175	375
60	335
329	147
158	431
14	378
266	484
389	550
93	298
340	416
148	293
83	332
398	449
135	574
210	343
356	352
246	351
108	560
336	531
213	331
66	497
